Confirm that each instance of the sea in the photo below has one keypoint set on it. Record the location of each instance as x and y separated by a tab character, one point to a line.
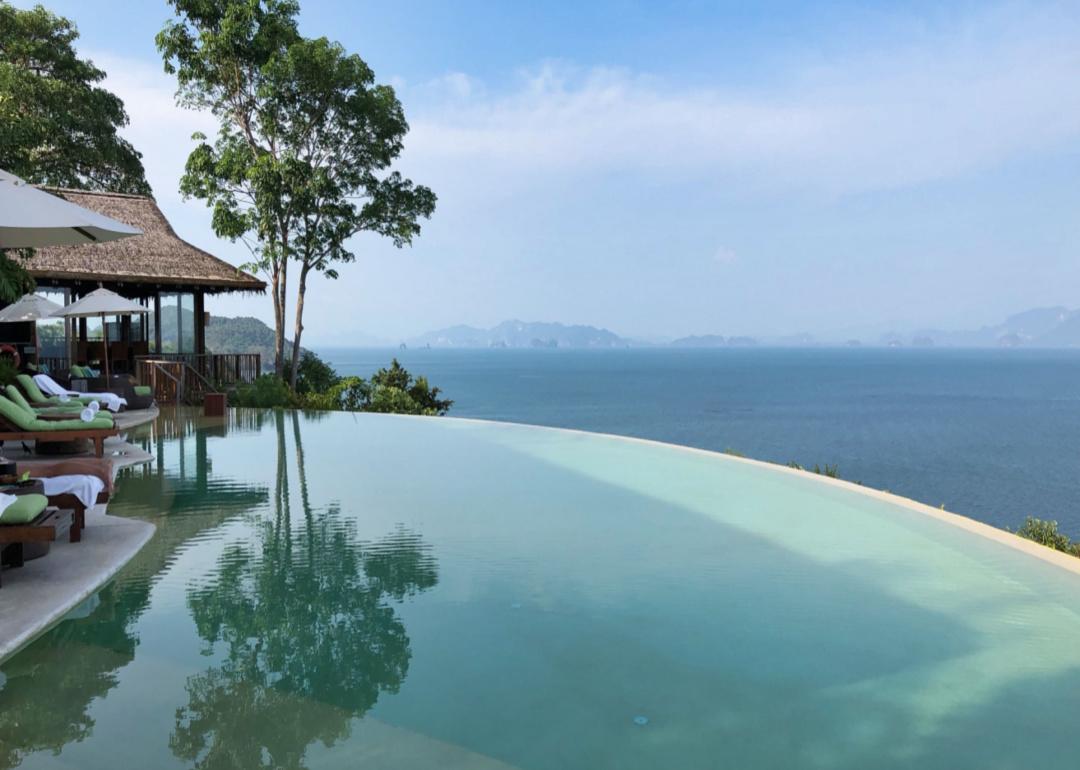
991	434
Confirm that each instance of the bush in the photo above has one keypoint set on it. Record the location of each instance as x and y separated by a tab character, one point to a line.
348	394
313	375
8	370
268	390
395	390
1046	533
832	471
390	390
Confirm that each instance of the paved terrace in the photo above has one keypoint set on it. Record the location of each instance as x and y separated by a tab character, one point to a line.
38	595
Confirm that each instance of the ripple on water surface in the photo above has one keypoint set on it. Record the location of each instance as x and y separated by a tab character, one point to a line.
330	590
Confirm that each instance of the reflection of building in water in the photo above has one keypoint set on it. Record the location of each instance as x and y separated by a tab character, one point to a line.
299	610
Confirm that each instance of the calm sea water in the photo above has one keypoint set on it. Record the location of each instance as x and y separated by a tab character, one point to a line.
991	434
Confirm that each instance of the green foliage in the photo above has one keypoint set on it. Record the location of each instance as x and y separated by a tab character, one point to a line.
58	126
395	390
1046	533
15	281
314	375
733	452
347	394
8	370
306	139
267	391
392	390
832	471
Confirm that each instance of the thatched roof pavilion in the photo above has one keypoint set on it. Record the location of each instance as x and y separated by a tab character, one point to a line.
143	265
147	268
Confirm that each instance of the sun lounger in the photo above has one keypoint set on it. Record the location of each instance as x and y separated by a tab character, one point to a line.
30	520
16	424
123	385
48	387
76	493
39	400
71	409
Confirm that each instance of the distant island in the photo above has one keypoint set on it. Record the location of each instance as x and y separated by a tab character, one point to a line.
522	334
1051	327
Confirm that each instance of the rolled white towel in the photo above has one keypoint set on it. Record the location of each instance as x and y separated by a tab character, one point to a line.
86	415
94	406
64	398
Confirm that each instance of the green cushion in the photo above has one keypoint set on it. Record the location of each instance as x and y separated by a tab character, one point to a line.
31	389
30	423
16	395
18	399
16	415
37	398
143	390
98	423
25	509
78	371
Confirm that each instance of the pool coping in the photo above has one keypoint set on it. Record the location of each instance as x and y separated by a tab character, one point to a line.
41	593
982	529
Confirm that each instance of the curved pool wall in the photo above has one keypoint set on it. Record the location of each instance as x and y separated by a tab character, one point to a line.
325	590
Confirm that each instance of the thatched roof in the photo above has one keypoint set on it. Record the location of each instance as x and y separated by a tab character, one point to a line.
157	259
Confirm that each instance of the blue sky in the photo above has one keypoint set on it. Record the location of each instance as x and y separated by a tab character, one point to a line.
690	167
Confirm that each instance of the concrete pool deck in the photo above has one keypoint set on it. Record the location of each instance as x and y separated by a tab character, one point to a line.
39	594
42	592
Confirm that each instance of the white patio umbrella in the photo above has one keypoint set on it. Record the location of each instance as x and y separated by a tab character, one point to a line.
32	218
29	307
99	304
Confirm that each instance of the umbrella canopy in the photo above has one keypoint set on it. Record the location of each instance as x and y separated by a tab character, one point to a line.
29	307
99	302
32	218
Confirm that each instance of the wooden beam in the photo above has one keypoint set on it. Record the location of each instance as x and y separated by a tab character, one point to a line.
200	323
157	323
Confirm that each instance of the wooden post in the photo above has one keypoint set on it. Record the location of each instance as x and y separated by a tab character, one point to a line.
200	323
157	323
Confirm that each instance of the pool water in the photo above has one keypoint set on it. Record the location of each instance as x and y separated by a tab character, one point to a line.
339	590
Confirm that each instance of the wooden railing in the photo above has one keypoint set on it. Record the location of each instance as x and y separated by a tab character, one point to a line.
218	368
184	378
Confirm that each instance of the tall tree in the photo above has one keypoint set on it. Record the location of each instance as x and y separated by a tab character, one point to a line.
302	160
58	126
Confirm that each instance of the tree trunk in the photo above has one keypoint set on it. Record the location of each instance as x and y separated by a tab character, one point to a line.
301	290
275	278
279	320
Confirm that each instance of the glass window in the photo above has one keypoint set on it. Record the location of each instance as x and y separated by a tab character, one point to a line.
177	323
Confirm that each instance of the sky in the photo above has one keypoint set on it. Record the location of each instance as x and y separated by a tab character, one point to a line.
663	169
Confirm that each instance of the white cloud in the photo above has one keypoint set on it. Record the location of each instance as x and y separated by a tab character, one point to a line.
963	98
538	193
725	256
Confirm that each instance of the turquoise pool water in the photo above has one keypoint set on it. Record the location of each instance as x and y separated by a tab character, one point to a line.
372	591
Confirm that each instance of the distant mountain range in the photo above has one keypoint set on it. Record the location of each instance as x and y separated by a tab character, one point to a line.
522	334
1046	327
1051	327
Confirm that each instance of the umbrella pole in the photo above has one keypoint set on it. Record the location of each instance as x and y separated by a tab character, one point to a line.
105	339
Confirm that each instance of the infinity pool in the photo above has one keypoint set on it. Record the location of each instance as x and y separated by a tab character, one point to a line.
335	590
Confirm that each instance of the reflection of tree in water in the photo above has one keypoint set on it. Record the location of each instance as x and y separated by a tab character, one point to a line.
46	700
310	640
44	704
